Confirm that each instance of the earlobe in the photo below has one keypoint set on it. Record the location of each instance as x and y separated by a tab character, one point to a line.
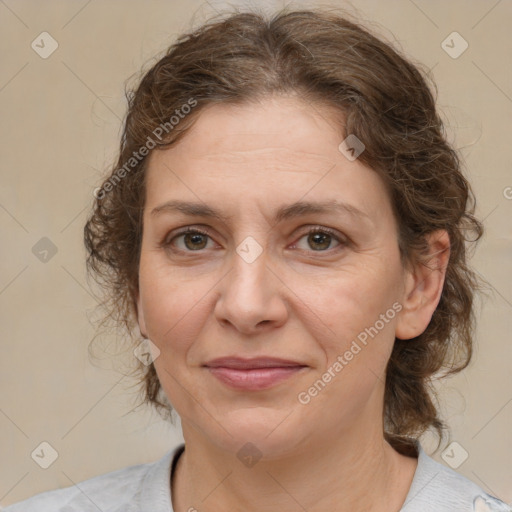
140	316
423	287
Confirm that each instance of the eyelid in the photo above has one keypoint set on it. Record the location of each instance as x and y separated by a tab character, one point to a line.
341	239
183	231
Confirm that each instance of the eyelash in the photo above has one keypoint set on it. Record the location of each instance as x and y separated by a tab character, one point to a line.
166	243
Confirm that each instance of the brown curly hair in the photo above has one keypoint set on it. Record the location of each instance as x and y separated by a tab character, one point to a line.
325	59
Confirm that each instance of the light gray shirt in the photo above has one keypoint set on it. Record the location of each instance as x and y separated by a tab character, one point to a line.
146	488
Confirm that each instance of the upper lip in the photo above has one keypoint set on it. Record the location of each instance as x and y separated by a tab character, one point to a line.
246	364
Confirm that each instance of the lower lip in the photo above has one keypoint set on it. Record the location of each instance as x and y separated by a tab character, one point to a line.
254	379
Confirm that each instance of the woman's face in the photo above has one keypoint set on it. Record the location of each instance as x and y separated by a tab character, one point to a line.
259	285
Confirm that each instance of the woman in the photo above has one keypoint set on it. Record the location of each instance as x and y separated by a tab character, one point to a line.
286	226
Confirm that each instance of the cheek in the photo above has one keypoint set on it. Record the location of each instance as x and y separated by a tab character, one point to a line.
173	308
355	339
347	303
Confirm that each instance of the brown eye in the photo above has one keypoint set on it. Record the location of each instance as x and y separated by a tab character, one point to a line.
320	240
193	240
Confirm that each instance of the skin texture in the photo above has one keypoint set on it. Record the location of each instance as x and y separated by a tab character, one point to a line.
304	299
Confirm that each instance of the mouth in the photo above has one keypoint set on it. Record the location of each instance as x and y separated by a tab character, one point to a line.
253	374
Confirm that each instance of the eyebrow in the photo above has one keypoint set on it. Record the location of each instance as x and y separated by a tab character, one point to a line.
297	209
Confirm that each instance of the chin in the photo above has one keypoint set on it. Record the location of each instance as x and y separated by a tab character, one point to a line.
269	433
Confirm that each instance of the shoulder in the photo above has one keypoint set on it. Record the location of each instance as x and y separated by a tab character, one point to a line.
117	491
438	488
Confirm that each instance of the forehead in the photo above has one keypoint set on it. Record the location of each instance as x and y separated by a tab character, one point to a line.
280	123
274	151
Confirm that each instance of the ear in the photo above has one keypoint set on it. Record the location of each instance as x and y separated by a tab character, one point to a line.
140	315
423	287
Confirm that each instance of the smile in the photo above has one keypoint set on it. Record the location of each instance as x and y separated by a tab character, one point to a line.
254	379
253	374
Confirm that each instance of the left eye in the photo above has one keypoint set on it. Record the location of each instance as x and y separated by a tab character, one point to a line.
319	239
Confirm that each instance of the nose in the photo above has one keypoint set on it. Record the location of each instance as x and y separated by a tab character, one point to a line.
251	296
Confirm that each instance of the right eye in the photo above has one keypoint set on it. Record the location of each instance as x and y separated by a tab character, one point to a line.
194	240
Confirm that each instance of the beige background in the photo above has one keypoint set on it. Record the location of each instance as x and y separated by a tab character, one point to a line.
60	127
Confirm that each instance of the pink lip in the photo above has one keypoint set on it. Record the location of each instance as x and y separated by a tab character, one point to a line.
253	374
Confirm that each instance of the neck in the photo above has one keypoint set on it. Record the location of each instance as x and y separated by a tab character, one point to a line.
349	474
